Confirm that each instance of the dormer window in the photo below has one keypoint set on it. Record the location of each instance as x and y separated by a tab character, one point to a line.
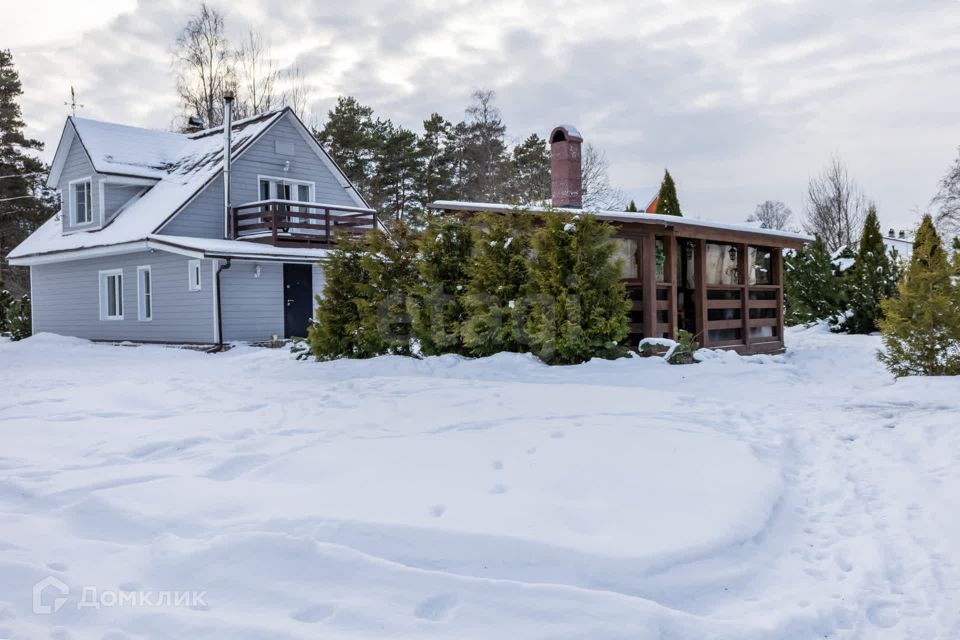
81	201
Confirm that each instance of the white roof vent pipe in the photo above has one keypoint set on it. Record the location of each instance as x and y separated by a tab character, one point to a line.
227	132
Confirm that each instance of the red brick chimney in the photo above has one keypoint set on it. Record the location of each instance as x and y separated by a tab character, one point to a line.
565	177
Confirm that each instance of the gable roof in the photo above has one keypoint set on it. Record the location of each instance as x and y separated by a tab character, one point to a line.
182	165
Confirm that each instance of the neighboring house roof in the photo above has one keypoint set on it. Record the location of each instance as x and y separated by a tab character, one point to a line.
646	199
788	238
182	165
903	246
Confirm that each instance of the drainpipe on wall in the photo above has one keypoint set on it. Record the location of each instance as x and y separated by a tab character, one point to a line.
220	267
227	151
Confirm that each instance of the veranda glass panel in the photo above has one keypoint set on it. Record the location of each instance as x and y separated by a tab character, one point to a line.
626	250
722	264
760	265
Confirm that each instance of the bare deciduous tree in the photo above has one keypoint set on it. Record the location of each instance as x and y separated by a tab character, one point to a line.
947	201
257	77
598	193
297	94
202	65
771	214
836	208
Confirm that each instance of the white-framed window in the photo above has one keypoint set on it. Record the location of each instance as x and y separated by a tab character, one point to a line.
81	201
272	188
144	294
111	294
194	281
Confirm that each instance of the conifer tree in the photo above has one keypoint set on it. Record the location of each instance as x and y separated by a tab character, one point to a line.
396	171
435	154
921	326
667	202
578	304
812	287
388	276
351	137
529	180
871	280
498	279
338	329
27	204
437	303
632	207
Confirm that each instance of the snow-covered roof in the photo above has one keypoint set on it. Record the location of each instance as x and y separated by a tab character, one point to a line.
644	218
182	164
240	249
117	148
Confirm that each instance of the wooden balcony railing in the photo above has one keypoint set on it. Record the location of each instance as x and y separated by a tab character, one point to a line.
285	222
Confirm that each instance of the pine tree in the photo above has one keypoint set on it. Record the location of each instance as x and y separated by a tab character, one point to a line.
529	180
27	203
395	173
498	278
632	207
871	280
350	136
578	304
437	304
921	326
667	203
338	329
435	155
812	287
389	275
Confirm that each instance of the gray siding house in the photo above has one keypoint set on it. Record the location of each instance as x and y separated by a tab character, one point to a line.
147	248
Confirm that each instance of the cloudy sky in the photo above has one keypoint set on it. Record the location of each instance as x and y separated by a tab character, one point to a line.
743	101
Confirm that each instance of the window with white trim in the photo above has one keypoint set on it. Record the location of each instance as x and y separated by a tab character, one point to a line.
193	275
81	201
111	294
283	189
144	294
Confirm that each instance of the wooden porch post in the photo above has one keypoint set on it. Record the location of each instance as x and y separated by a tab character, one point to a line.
744	277
326	225
273	222
670	275
648	272
700	290
776	255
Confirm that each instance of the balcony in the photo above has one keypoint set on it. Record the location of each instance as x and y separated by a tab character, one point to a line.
286	223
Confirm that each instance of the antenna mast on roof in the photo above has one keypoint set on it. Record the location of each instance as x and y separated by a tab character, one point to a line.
73	102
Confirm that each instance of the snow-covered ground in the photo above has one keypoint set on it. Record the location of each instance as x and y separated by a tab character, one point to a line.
165	493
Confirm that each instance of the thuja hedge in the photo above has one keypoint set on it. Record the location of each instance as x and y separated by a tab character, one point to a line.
475	286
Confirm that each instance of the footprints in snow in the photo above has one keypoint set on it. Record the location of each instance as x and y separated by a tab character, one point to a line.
438	608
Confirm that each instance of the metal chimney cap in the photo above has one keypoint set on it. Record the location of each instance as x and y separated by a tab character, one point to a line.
228	95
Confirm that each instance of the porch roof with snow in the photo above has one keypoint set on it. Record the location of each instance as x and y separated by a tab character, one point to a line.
683	226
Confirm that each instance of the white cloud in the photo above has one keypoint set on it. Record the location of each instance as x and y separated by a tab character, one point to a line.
743	101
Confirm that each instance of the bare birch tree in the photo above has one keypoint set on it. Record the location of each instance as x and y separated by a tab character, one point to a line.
257	77
771	214
201	62
836	207
297	94
598	193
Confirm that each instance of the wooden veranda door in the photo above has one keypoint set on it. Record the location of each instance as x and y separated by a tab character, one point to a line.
297	299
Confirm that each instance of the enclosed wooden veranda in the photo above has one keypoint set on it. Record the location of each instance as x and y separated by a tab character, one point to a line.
722	284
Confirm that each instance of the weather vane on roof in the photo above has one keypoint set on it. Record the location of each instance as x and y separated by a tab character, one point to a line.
73	102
